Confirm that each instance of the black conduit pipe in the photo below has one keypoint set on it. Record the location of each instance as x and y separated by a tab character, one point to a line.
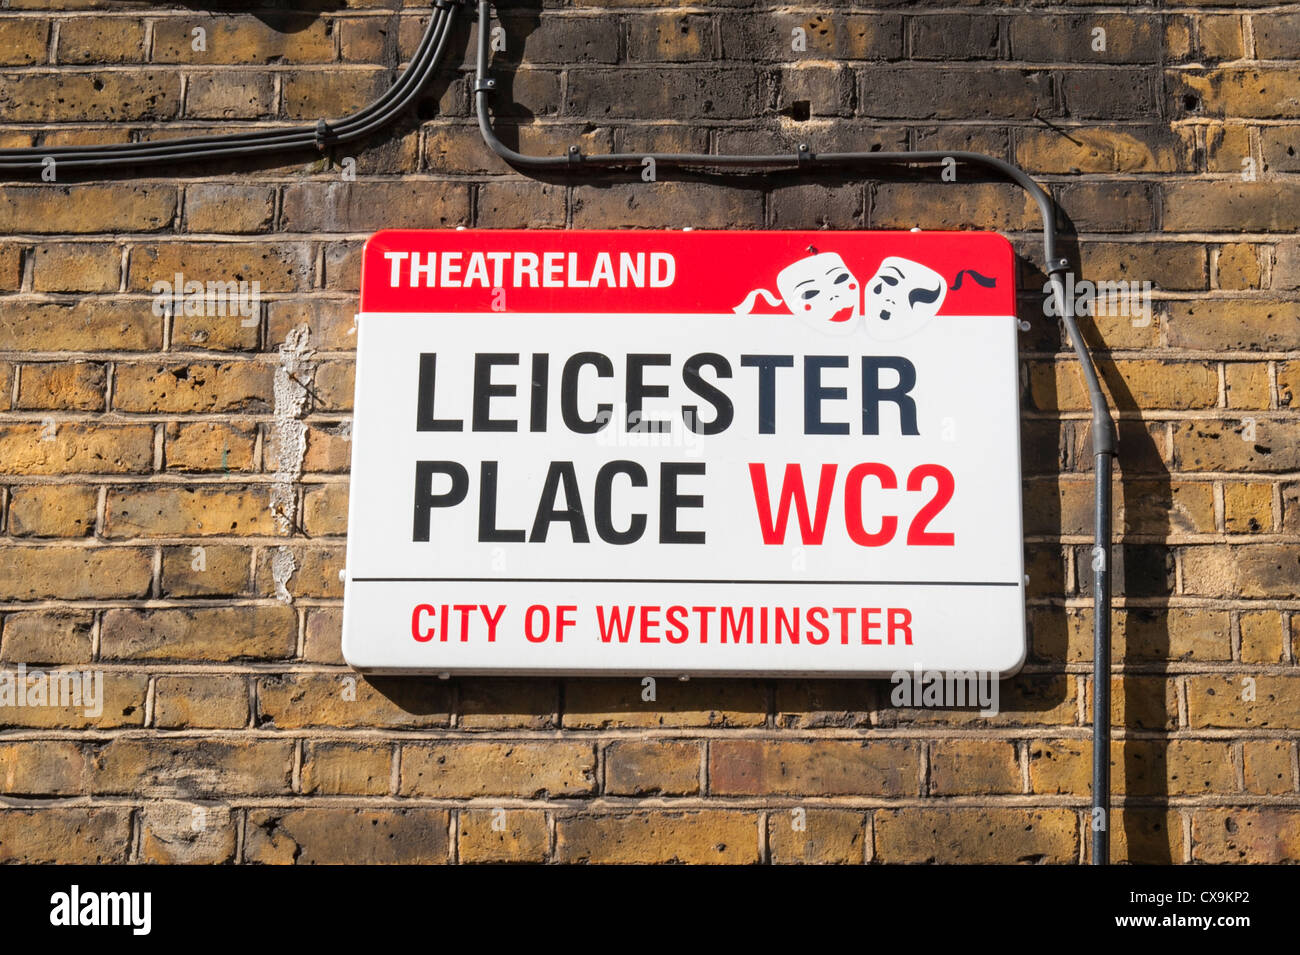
1104	437
321	135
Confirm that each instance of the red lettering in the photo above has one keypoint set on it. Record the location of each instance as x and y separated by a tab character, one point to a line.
900	621
530	631
792	490
649	618
617	626
421	636
853	504
868	625
917	534
492	620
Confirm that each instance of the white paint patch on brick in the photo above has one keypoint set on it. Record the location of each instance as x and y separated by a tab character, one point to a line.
282	568
293	378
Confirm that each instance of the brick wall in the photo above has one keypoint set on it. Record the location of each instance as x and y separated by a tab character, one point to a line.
231	729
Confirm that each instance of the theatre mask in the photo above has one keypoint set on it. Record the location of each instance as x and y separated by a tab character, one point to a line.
819	289
901	298
822	291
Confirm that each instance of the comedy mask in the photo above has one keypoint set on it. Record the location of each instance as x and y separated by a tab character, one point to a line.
819	289
822	291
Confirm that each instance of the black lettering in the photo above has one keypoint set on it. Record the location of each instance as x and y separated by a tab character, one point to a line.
548	513
814	393
636	391
541	376
604	505
873	394
426	500
573	419
725	411
767	366
487	509
424	419
670	501
485	391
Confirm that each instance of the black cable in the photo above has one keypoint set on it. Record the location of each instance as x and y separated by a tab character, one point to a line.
1104	437
320	135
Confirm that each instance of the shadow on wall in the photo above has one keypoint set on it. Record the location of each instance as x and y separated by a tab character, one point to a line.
291	19
1141	571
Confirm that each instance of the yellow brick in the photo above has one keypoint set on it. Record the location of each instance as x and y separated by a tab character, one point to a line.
820	768
325	510
1264	835
1138	767
83	325
74	573
707	836
182	512
194	387
346	700
57	835
209	634
1143	836
981	836
1247	508
597	704
205	570
346	769
469	769
500	835
174	833
826	836
1237	267
1268	767
1247	385
53	510
276	267
62	386
973	767
643	768
77	267
1261	636
119	702
23	42
90	207
209	446
41	637
244	40
206	702
1097	150
318	836
315	571
1151	384
1244	701
163	768
42	768
503	703
101	40
58	447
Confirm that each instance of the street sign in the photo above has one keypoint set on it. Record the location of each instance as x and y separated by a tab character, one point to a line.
726	453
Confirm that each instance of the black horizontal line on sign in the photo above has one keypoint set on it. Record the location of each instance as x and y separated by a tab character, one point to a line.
671	580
